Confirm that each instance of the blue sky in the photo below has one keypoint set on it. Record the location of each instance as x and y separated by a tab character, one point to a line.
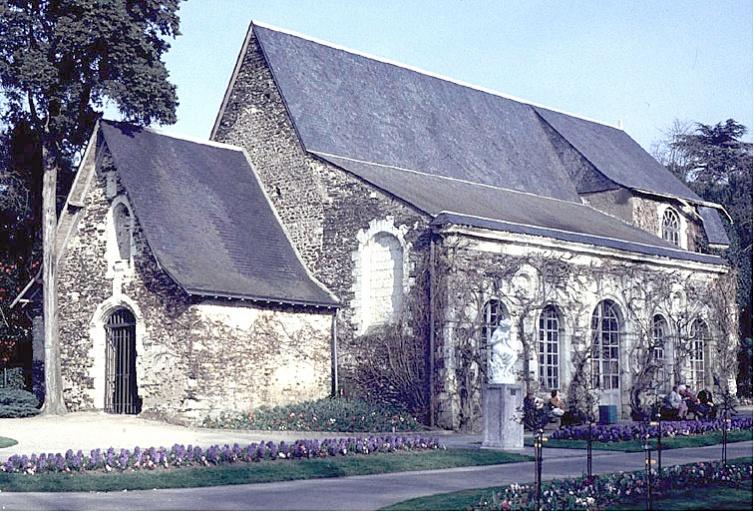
643	62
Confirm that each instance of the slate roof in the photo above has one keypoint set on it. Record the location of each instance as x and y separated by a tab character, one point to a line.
382	114
454	201
207	219
713	225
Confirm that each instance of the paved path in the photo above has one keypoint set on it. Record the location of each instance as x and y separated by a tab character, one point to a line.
90	430
352	493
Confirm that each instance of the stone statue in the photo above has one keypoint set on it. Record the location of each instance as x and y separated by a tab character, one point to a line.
504	355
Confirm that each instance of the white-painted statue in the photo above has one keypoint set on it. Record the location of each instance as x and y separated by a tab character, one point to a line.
505	355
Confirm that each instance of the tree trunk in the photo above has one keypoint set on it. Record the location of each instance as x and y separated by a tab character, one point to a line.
53	403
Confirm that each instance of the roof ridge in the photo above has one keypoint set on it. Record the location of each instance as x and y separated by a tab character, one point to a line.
187	138
449	178
415	69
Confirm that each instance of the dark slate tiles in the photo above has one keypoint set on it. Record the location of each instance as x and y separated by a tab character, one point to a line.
207	220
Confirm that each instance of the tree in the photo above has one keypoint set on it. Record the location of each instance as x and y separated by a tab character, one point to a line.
61	61
716	164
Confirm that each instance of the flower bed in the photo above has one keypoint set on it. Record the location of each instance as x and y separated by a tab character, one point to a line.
601	491
184	456
631	431
325	415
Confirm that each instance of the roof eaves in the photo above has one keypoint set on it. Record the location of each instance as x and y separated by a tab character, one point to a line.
265	300
572	236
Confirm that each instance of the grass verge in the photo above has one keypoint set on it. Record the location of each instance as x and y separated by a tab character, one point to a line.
259	472
714	497
668	443
7	441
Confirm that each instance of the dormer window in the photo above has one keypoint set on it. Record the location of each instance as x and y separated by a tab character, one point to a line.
671	227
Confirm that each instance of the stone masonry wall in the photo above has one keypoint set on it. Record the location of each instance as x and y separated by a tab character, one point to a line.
323	207
194	358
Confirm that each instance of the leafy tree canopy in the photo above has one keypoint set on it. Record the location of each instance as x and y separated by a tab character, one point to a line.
717	165
61	60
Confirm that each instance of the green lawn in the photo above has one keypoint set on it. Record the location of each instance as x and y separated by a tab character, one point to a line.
668	443
6	442
266	471
710	498
718	497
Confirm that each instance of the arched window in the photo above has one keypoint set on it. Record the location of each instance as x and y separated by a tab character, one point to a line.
549	348
671	227
699	339
659	336
123	224
607	327
382	274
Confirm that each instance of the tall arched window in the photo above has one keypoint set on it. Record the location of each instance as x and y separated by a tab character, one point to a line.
607	327
123	224
382	274
671	226
659	336
699	339
549	348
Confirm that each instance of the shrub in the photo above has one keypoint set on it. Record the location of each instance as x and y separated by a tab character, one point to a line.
12	378
182	456
325	415
17	403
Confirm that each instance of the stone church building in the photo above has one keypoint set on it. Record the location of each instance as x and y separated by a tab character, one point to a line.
339	191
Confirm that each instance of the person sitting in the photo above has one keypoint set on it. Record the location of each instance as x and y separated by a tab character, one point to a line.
675	402
706	407
557	406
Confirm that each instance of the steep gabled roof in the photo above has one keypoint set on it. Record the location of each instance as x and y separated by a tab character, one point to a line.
347	104
378	119
207	219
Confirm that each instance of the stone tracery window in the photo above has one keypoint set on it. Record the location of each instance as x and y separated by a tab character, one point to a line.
699	339
549	348
607	327
659	337
671	227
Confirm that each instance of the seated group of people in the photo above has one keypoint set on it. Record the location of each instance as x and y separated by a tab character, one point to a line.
554	406
681	402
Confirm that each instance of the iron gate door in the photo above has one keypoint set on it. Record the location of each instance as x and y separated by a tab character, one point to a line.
121	395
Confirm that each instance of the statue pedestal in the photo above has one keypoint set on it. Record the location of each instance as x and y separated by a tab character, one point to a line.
503	405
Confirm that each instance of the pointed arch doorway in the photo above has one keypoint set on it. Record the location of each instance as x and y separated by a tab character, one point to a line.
121	393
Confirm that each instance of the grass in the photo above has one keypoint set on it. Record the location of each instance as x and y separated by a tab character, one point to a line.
713	497
259	472
7	441
668	443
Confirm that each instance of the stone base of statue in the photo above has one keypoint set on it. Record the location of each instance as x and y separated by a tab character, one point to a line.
503	406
